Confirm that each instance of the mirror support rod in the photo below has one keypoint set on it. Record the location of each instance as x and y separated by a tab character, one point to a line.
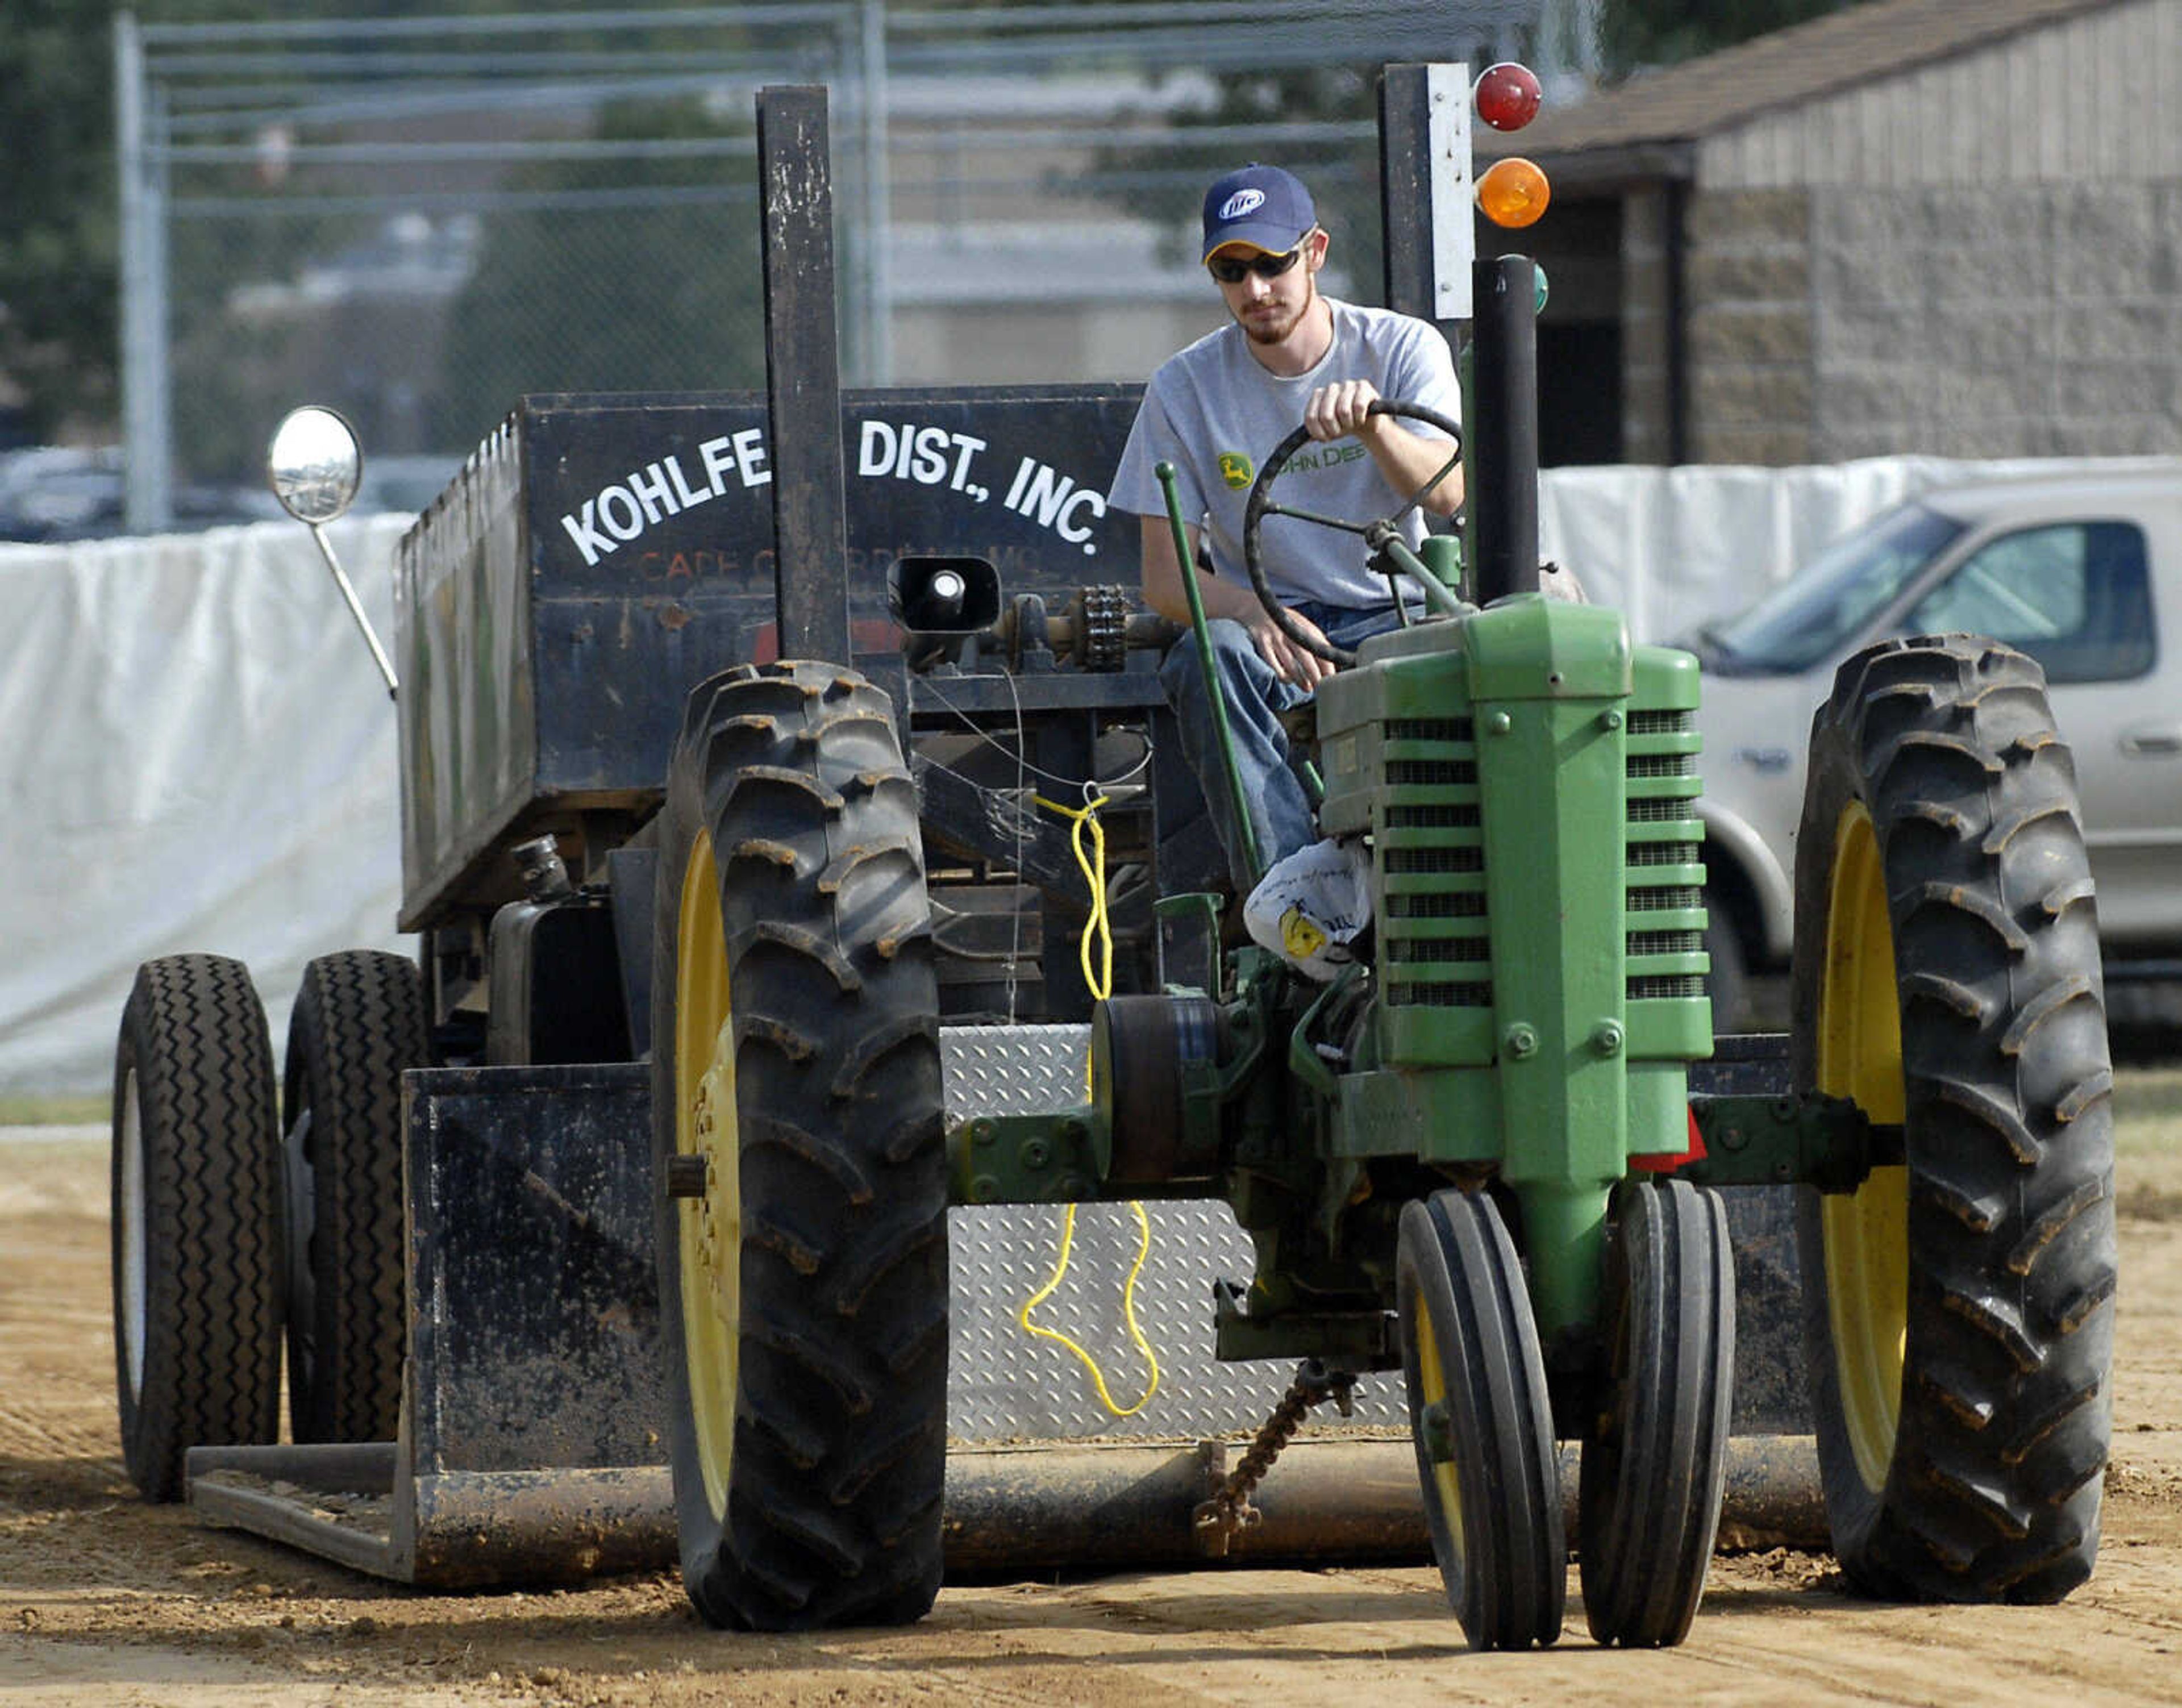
355	606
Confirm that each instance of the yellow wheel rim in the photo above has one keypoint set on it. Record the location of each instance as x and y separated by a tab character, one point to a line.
705	1126
1866	1233
1431	1382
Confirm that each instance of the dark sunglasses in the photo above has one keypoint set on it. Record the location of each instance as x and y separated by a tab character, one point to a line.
1229	271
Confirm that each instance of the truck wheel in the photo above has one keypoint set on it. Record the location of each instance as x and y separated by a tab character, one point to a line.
1958	1308
197	1231
1728	983
1480	1421
797	1138
1655	1457
357	1026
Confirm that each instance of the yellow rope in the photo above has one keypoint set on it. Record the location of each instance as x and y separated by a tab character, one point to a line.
1100	980
1129	1313
1093	865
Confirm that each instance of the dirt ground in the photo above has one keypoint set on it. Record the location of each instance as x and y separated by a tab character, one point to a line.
104	1598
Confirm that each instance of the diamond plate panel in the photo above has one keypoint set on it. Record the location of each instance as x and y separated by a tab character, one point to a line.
1005	1384
1013	1070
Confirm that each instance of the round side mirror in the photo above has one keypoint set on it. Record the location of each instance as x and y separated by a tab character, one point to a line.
315	464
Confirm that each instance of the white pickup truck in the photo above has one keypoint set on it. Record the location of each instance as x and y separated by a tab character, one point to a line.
2082	572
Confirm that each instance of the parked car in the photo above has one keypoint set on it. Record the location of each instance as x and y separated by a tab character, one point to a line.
53	493
2083	572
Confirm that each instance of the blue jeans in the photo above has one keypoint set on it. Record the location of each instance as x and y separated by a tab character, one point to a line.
1280	812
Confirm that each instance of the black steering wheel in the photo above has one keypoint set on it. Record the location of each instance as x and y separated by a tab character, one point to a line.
1375	533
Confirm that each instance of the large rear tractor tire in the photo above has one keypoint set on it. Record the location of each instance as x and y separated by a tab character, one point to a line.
196	1227
1655	1455
1958	1308
800	1157
1481	1421
357	1026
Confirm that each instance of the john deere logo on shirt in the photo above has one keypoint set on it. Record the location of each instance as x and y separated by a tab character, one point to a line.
1241	202
1235	468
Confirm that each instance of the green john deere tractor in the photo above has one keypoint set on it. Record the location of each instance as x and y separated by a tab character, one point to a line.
1474	1156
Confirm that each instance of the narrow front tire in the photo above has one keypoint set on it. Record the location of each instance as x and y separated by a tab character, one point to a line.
1481	1420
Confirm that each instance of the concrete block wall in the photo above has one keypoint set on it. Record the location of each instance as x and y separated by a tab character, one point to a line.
2039	320
1746	326
1645	342
2022	320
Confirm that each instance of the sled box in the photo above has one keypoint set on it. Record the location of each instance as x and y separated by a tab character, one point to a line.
598	556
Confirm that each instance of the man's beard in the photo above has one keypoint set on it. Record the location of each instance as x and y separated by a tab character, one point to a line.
1276	331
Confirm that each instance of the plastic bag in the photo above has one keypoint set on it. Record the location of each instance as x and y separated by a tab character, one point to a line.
1313	905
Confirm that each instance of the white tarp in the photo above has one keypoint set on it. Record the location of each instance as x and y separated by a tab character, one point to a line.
201	755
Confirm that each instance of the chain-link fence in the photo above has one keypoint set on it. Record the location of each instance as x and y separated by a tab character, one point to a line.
416	220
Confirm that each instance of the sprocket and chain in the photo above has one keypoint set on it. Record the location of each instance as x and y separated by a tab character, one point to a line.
1219	1518
1101	617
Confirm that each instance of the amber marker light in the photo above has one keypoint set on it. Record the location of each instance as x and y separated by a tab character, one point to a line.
1513	192
1507	94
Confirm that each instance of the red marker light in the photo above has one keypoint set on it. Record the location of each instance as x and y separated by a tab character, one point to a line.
1508	96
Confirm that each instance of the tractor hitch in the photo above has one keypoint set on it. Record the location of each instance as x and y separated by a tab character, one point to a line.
1807	1138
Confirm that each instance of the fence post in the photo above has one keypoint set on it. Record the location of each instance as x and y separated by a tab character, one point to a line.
147	421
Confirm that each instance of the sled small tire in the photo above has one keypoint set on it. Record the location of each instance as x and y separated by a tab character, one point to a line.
196	1222
357	1026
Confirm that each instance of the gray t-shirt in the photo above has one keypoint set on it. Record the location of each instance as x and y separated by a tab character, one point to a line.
1215	412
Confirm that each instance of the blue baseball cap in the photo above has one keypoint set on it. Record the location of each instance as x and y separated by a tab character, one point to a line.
1261	205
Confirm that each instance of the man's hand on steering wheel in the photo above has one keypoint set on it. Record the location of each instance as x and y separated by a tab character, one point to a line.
1342	410
1331	413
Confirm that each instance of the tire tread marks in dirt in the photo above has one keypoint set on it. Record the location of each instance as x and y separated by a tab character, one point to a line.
1994	1490
833	1495
358	1025
193	1040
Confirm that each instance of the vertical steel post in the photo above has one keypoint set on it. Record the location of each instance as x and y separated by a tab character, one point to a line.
803	375
877	304
1406	191
1503	508
1428	223
146	424
1427	220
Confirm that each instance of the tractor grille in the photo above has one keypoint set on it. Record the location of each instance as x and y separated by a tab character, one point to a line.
1663	830
1429	773
1471	993
1457	906
1455	730
1438	817
1665	943
1404	862
1665	897
1435	950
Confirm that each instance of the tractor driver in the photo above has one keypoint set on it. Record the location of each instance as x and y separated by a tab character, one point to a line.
1292	357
